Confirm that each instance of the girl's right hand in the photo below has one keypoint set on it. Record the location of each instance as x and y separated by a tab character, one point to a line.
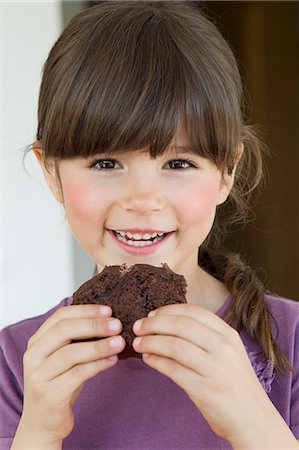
55	369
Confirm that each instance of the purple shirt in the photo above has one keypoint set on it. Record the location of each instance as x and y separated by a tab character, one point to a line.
132	406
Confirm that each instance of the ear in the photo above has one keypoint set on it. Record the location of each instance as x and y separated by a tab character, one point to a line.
49	171
227	180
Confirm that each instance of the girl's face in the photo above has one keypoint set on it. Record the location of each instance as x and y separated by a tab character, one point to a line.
110	196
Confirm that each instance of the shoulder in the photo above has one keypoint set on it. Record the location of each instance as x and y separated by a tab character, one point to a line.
283	311
282	306
284	317
14	338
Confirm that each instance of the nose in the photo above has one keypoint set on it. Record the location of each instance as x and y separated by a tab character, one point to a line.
143	196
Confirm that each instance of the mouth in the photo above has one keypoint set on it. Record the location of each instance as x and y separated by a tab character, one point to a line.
139	240
140	243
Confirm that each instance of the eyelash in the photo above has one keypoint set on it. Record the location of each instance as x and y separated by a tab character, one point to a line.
191	164
94	163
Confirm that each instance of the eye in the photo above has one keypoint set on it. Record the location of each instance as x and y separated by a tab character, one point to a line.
181	164
103	164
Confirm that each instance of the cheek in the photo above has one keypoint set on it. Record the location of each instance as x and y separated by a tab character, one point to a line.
80	201
198	202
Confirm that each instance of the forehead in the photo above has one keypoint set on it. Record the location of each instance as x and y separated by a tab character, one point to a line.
180	144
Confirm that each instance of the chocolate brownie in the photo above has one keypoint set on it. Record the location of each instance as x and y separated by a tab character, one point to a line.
132	292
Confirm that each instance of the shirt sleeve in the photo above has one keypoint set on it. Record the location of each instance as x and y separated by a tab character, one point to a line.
11	403
13	344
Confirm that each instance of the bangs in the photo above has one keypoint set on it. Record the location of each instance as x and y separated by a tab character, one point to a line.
129	77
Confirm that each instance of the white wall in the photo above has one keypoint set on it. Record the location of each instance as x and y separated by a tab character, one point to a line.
37	248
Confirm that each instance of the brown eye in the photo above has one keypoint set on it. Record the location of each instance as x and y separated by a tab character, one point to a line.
103	164
180	164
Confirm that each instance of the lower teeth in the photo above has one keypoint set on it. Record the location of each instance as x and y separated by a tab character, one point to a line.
138	243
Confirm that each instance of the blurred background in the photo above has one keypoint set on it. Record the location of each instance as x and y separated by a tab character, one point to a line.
41	262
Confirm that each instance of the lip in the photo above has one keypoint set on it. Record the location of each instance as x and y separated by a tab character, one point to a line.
140	231
140	250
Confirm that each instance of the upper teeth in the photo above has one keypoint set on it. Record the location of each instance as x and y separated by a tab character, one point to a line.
138	236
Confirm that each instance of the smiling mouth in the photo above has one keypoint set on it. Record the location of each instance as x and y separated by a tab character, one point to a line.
139	241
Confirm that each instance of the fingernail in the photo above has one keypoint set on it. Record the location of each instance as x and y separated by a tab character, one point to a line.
113	325
115	341
104	310
137	325
137	341
151	314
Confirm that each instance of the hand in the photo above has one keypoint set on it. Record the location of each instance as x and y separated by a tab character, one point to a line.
55	369
205	357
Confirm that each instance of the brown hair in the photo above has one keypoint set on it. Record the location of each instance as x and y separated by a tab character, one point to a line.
126	75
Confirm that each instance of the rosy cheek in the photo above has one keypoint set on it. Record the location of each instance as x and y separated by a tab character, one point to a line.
79	199
198	202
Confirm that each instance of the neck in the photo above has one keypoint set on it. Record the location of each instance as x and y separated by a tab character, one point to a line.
205	290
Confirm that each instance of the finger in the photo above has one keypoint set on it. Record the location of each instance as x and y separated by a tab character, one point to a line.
181	375
75	377
67	330
79	353
71	312
181	351
181	326
196	312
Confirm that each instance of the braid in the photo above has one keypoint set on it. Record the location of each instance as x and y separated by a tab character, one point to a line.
249	310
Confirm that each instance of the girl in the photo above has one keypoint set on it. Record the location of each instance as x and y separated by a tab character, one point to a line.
140	132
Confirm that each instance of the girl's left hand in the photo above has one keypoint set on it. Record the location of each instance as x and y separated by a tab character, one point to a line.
207	359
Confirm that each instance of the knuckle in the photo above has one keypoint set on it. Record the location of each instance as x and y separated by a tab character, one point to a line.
181	323
234	335
98	347
231	338
96	325
27	358
30	341
191	308
77	372
170	365
60	313
70	355
227	349
82	372
177	347
64	327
